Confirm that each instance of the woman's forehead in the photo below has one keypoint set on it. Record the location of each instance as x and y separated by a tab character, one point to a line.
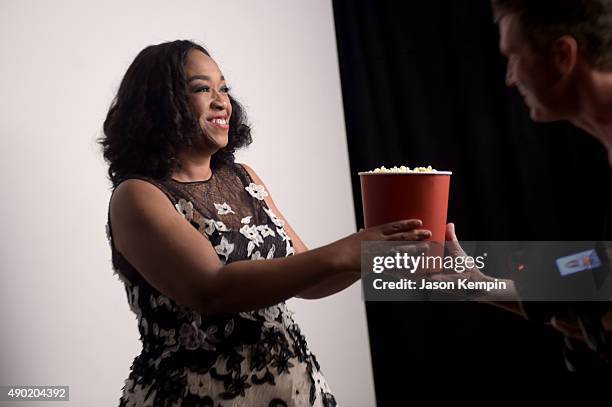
198	63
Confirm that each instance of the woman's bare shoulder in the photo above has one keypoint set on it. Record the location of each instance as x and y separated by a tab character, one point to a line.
135	193
138	204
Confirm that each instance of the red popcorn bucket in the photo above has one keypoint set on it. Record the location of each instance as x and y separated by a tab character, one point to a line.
393	196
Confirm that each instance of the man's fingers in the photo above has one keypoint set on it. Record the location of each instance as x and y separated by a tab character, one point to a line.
567	328
452	244
445	277
400	226
450	233
454	249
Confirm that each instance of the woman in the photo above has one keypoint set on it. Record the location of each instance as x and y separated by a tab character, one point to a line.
186	224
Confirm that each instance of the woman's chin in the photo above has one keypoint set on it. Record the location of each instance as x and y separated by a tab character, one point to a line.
215	142
221	142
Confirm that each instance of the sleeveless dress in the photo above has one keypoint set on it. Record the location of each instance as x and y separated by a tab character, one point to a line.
254	358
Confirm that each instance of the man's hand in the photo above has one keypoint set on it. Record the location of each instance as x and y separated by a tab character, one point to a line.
572	329
455	250
567	328
506	299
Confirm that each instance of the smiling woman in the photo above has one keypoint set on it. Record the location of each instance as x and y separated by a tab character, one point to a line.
209	98
206	258
162	107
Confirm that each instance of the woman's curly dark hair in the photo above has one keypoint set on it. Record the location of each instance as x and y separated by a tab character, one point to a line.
150	120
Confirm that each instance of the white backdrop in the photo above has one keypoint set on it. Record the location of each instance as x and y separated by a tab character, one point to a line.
65	318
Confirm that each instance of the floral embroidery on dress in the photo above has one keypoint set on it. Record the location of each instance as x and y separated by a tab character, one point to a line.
257	255
265	231
289	250
257	191
168	336
185	208
198	384
281	232
270	254
210	225
270	313
224	248
250	247
193	359
192	337
220	226
223	209
251	233
275	219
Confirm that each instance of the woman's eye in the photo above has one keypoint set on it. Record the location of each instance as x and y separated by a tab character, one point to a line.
203	89
223	89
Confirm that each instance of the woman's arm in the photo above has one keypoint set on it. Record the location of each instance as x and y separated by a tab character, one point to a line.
329	286
181	263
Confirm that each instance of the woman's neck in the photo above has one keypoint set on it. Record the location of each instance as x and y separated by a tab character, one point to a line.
195	166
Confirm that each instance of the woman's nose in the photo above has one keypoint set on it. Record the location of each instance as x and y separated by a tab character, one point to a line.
218	102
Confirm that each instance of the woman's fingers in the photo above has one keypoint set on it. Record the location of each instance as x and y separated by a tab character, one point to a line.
416	234
400	226
414	248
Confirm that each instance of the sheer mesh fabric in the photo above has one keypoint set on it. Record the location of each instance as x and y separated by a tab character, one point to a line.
251	358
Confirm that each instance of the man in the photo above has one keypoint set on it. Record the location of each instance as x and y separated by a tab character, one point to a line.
560	60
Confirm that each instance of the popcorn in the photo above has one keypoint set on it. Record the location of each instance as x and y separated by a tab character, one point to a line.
402	169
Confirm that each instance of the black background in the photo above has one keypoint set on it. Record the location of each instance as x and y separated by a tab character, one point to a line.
423	84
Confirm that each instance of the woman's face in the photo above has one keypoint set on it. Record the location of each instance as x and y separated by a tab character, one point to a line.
209	99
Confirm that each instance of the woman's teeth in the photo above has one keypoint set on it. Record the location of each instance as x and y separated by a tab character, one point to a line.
219	121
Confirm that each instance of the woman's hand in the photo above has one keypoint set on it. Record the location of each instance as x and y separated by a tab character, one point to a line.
347	252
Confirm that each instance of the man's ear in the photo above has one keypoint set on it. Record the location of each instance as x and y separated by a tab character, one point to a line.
565	54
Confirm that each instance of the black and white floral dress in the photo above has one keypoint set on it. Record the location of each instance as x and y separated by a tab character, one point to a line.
254	358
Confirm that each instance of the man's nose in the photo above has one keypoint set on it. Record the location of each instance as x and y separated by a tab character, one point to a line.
510	79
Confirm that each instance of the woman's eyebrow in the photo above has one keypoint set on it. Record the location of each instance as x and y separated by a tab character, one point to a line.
202	77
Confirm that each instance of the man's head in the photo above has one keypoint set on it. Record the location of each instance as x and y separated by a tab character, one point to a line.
551	45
